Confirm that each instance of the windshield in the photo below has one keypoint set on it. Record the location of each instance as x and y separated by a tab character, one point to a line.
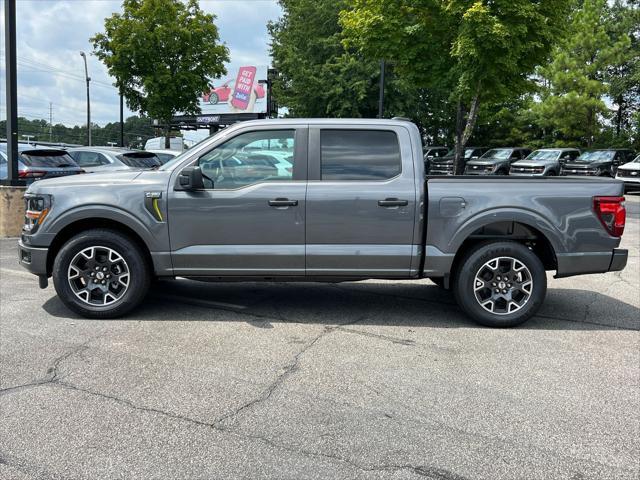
176	160
140	160
636	160
598	155
468	153
544	155
165	157
47	158
498	153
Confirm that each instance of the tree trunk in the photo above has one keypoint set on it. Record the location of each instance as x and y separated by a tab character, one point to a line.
619	113
464	134
167	138
458	160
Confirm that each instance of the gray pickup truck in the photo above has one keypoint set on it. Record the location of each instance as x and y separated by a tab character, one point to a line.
352	205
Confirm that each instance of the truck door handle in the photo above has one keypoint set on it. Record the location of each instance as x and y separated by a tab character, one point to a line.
392	202
283	202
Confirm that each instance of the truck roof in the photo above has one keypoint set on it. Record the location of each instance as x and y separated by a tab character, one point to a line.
325	121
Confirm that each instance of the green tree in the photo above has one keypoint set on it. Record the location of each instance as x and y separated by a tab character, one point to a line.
623	76
317	77
162	54
573	104
478	51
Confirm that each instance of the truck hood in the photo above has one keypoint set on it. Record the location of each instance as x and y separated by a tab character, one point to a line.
485	161
534	163
630	166
86	180
596	164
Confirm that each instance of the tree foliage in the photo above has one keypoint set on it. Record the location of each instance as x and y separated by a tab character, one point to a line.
575	80
478	51
162	54
137	130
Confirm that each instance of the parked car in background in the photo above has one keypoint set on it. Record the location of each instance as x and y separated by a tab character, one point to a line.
100	159
629	173
444	165
598	163
496	161
544	162
164	155
35	163
431	153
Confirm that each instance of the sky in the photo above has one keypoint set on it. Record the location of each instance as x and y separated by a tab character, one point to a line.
51	33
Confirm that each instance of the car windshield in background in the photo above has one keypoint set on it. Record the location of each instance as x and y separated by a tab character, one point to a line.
165	157
596	156
498	153
46	158
544	155
467	153
140	160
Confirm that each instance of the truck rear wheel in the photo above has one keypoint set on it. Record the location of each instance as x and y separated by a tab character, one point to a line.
101	274
500	284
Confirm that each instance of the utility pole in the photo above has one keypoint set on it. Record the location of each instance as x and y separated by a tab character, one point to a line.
88	79
51	121
11	91
381	96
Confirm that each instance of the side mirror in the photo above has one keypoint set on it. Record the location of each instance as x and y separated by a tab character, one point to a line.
190	178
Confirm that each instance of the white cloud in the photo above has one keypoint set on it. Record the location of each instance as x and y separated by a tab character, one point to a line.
50	35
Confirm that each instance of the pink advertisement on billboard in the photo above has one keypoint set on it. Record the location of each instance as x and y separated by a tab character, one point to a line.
241	91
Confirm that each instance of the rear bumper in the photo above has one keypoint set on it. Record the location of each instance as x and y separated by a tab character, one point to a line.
591	262
34	259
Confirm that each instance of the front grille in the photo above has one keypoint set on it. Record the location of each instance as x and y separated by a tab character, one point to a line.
579	171
441	170
529	170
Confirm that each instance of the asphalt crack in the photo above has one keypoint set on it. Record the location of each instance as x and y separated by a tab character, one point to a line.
52	372
288	370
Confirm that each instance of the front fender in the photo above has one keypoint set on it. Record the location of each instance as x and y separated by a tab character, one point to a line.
152	233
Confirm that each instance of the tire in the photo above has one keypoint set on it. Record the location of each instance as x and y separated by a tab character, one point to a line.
478	264
96	257
214	98
502	172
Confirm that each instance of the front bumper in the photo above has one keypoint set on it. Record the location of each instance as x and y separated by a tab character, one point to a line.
34	259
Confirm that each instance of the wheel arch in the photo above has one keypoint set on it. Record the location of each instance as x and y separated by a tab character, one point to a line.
77	226
523	232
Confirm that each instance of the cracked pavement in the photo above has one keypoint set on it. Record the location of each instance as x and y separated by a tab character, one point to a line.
362	380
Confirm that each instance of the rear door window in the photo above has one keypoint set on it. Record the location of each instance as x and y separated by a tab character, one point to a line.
359	155
47	159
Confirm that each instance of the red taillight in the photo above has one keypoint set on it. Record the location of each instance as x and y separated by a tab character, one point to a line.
30	174
612	214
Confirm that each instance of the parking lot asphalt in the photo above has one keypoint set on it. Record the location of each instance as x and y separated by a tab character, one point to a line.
293	381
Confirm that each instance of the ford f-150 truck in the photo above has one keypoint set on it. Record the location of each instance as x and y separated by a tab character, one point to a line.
354	205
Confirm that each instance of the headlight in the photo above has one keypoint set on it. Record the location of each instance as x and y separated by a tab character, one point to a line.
37	208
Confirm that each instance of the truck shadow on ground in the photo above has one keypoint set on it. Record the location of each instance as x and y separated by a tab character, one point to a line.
402	304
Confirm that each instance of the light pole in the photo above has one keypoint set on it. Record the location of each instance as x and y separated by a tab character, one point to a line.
86	74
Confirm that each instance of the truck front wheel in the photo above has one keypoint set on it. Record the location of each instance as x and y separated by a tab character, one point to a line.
101	273
500	284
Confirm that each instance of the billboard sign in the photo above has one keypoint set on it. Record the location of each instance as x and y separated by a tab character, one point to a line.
241	91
